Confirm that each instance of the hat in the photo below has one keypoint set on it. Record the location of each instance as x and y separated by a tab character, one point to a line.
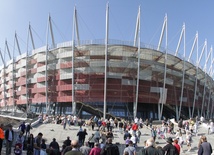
169	140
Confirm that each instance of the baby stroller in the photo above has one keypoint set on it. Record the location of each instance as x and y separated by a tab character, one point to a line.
17	149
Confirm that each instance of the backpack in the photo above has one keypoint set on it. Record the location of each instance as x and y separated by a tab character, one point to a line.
143	151
172	151
111	150
138	133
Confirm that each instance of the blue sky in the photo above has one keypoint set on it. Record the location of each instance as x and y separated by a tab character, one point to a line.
15	15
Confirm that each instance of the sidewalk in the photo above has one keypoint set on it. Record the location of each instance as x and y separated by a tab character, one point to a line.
51	131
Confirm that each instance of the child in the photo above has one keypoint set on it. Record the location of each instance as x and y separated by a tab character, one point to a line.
127	141
17	150
43	145
188	140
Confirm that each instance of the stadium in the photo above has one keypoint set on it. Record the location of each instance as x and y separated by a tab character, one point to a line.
99	77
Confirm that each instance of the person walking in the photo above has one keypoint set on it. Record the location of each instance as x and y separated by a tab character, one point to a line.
170	149
84	135
85	149
30	144
149	149
126	134
67	142
54	145
81	136
96	150
138	134
9	137
150	122
37	143
65	122
205	148
189	140
134	127
20	140
154	133
22	127
97	135
130	149
110	149
44	147
91	141
134	140
28	128
75	148
177	146
1	136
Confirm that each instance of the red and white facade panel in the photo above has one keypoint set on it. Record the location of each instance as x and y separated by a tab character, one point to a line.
24	81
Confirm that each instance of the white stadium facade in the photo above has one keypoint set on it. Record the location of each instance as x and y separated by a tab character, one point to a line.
125	79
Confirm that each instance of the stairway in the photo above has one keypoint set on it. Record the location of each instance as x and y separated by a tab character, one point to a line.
171	110
94	111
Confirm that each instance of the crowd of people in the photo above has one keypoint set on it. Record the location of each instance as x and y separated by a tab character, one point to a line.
101	141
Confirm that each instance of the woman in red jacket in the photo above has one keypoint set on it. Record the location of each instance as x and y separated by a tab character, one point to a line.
177	146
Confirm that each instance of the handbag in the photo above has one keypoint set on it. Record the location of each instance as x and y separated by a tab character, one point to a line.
43	152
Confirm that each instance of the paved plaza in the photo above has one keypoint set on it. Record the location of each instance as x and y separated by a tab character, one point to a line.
51	131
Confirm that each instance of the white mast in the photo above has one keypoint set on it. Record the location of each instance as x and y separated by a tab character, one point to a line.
17	43
73	49
31	36
26	67
77	28
205	77
46	68
7	48
13	74
197	67
193	46
4	79
137	27
196	76
106	60
163	95
183	34
162	33
8	52
51	30
138	65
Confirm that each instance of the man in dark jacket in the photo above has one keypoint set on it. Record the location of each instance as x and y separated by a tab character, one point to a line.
54	145
126	134
169	148
205	148
28	128
110	149
67	142
22	127
149	149
9	137
37	144
180	123
81	135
